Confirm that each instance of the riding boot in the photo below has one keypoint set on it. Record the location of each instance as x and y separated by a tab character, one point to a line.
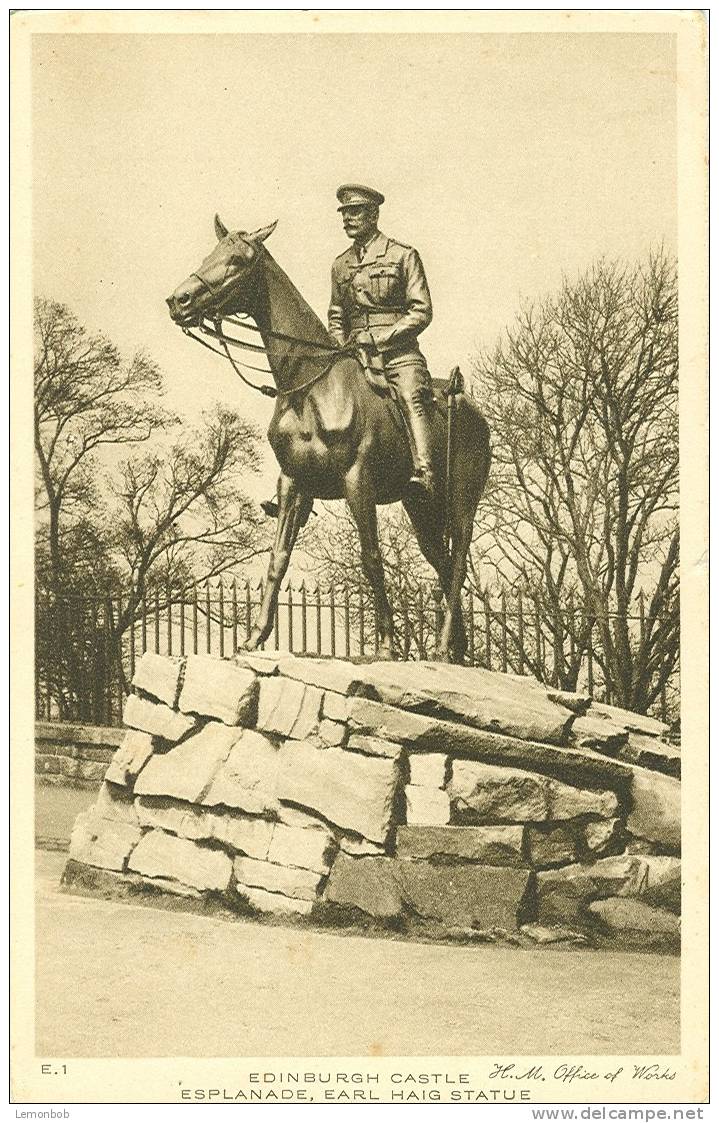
422	480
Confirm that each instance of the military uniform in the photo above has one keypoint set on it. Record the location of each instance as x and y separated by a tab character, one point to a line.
381	289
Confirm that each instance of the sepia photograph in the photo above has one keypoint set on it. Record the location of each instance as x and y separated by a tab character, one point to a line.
360	596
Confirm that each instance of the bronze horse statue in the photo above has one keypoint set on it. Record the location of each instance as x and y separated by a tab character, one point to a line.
336	438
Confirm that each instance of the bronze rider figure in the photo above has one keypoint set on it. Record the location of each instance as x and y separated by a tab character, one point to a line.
380	302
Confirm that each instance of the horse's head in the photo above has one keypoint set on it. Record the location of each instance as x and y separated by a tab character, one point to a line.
224	282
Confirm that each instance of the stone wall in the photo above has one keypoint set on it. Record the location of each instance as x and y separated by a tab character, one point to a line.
448	801
77	755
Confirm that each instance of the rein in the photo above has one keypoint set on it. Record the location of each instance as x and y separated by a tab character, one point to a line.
225	340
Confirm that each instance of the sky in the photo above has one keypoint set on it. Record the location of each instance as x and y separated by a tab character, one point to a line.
506	160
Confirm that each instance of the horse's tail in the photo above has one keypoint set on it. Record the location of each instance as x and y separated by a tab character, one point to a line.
468	458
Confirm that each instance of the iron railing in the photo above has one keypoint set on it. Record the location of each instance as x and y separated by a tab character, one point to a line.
85	658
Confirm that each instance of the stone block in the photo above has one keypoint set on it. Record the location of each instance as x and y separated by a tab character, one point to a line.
334	706
653	754
247	836
627	719
472	896
349	789
428	770
294	846
487	792
636	921
598	732
115	803
290	882
156	718
220	689
295	817
483	793
541	934
431	734
277	903
187	770
106	843
336	675
332	732
130	758
288	708
360	847
261	662
658	882
161	855
159	675
471	696
426	806
491	846
183	819
568	802
373	746
656	808
389	724
553	847
247	778
367	884
599	834
564	894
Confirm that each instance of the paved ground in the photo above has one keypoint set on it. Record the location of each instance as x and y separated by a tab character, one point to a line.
56	808
125	980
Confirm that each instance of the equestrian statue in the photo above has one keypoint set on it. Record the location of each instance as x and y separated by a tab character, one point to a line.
356	416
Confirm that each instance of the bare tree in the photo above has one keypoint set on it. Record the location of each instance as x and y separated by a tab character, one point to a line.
581	398
86	397
180	514
168	516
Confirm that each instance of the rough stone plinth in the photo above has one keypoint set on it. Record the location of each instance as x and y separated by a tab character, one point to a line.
491	846
288	708
187	770
636	921
156	718
220	689
275	903
106	843
428	806
457	895
310	849
348	789
159	675
428	769
487	793
130	758
291	882
247	777
656	808
161	855
367	884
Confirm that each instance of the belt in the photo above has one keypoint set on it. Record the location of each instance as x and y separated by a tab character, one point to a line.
374	317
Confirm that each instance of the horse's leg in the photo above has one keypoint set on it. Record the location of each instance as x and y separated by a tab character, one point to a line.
293	509
430	538
360	495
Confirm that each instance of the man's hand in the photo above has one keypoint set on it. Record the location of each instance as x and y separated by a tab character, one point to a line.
364	339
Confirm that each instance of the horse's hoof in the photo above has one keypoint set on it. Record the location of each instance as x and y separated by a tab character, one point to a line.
251	644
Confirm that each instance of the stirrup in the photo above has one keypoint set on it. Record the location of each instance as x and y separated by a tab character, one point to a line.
421	483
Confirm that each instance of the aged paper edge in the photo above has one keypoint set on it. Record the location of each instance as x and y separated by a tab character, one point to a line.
155	1080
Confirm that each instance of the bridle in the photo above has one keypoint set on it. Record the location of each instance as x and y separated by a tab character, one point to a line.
217	332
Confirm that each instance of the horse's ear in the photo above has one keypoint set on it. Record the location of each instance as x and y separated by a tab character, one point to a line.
262	234
220	228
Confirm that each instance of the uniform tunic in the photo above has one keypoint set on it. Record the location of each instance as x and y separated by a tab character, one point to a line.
386	293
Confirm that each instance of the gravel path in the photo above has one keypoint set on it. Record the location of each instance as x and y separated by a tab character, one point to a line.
130	981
